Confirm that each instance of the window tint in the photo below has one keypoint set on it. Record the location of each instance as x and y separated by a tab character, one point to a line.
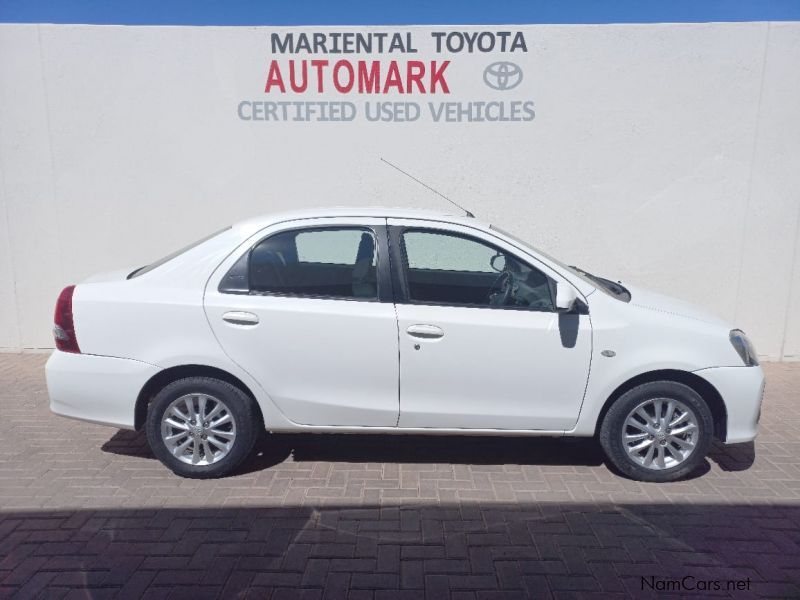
445	268
332	262
334	246
447	253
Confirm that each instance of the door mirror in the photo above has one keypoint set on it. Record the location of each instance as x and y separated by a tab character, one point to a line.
565	296
498	262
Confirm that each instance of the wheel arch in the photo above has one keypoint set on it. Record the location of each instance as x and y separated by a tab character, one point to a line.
706	391
163	378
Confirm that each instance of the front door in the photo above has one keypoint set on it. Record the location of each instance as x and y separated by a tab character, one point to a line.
307	317
481	344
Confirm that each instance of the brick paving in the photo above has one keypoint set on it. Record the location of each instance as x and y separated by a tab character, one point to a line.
87	512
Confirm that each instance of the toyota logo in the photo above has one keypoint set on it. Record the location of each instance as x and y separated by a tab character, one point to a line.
502	75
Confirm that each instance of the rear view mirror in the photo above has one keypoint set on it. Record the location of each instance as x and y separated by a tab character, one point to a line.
566	296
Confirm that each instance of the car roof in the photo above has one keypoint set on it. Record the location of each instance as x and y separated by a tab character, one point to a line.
260	222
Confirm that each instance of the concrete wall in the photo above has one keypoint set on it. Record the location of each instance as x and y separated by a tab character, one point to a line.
665	155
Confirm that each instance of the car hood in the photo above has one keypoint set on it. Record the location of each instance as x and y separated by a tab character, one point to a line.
644	298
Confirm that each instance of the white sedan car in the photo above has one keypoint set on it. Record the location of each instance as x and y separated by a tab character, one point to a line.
395	321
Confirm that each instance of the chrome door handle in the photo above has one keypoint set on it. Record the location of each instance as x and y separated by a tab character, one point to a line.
425	332
240	317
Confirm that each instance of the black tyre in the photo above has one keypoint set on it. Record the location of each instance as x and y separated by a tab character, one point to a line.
658	431
201	427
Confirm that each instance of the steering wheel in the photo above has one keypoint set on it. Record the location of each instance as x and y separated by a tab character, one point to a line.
505	283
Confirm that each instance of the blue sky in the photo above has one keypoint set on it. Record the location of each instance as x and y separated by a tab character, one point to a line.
362	12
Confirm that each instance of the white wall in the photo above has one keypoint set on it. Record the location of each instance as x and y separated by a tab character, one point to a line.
665	155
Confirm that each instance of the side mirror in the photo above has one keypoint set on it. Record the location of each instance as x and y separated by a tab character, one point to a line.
565	297
498	262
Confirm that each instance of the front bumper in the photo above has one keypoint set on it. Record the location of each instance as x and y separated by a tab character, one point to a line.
99	389
742	389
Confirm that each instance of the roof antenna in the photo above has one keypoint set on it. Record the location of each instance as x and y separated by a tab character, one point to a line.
423	184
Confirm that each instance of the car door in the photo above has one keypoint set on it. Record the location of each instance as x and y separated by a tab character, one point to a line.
305	308
476	353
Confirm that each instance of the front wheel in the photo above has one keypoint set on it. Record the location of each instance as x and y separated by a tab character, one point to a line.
201	427
658	431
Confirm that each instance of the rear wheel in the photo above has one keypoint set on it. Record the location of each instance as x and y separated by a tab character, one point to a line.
658	431
201	427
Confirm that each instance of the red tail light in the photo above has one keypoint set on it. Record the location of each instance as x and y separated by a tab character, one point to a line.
64	325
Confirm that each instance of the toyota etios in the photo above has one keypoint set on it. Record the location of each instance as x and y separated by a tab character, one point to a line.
395	321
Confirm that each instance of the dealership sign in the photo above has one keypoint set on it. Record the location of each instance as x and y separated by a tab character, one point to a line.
385	77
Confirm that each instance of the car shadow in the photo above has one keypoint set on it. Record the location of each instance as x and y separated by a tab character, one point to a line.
267	453
273	449
447	449
736	457
128	443
412	449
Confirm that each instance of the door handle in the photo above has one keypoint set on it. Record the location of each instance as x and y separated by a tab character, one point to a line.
240	317
425	332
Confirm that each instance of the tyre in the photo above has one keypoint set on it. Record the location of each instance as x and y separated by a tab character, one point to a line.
658	431
201	427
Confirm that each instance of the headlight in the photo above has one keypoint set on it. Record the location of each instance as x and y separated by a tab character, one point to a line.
744	347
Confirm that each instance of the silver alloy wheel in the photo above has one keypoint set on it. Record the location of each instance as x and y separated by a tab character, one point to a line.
660	433
198	429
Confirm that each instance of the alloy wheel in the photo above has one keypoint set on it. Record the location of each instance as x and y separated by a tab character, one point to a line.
660	433
198	429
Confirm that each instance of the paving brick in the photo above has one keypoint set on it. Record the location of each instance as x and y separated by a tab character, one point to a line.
87	511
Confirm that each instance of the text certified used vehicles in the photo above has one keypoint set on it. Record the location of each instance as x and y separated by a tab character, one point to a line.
395	321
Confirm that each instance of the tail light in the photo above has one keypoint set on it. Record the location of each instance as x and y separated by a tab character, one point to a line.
64	324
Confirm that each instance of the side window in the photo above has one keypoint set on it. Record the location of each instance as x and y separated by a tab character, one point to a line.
451	269
329	246
442	252
330	262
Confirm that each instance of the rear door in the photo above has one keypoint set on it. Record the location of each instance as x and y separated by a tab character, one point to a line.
306	309
481	343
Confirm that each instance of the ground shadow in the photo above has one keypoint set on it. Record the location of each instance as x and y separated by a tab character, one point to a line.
447	449
523	549
412	449
268	452
736	457
273	449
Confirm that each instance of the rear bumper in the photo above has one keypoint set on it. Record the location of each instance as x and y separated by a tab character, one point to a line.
742	389
99	389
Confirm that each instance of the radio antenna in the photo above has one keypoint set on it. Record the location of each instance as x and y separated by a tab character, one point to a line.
425	185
